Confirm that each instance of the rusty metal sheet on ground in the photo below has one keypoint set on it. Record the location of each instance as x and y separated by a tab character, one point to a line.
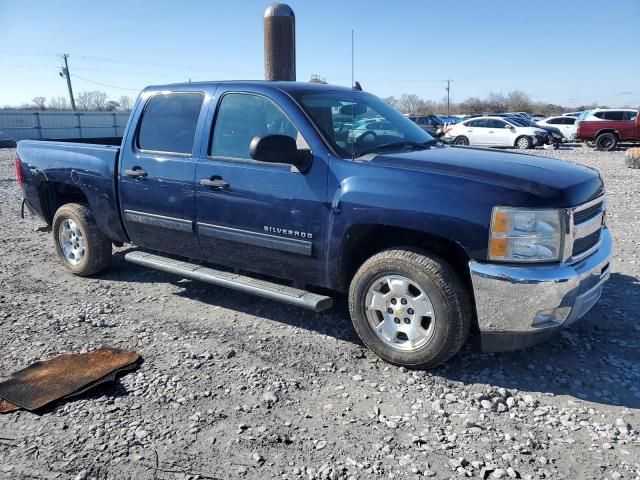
67	374
6	406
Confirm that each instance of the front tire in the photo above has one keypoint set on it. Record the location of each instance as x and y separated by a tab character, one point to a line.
79	242
461	140
606	142
410	308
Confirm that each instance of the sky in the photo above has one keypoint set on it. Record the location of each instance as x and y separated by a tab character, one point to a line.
568	52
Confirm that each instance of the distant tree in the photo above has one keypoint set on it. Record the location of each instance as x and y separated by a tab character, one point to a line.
518	101
94	100
126	103
83	101
58	103
40	103
472	105
393	101
410	102
496	102
111	106
99	100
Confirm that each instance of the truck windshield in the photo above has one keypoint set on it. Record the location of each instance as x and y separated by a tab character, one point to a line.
357	123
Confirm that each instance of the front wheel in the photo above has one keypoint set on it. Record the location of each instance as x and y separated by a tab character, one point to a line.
80	243
461	141
410	308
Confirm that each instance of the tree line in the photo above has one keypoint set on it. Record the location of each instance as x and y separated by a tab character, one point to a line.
90	101
515	101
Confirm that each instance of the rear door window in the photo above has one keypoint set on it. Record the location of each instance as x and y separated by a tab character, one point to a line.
492	123
630	115
616	115
169	121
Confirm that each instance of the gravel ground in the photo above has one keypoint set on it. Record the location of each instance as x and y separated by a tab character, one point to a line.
238	387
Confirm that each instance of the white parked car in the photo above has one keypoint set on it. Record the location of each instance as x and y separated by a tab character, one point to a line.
564	123
495	132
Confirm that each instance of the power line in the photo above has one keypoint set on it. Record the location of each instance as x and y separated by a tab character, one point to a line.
105	84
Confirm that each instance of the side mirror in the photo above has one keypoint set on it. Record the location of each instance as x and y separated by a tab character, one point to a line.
279	149
508	126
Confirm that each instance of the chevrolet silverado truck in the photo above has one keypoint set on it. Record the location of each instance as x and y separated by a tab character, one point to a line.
606	134
244	185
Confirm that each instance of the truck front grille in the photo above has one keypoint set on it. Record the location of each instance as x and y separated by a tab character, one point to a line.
587	228
584	215
581	245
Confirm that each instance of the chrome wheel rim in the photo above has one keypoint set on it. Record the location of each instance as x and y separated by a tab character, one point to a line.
400	313
71	241
523	143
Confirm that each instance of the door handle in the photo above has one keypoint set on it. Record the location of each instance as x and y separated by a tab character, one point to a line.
214	182
135	172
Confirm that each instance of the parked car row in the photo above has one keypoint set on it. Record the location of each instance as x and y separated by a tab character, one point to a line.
603	128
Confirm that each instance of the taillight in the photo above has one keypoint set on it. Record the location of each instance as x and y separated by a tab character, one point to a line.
18	164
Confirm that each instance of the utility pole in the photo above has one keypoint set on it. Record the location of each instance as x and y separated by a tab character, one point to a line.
65	74
448	94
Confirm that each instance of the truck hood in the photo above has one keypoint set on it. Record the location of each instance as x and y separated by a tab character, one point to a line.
559	183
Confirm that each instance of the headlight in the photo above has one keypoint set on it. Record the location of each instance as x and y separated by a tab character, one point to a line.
522	235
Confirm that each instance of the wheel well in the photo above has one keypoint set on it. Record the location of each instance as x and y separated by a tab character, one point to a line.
53	195
364	241
607	131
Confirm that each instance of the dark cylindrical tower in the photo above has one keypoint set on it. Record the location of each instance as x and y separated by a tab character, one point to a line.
279	42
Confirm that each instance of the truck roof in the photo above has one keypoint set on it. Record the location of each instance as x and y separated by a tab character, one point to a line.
280	85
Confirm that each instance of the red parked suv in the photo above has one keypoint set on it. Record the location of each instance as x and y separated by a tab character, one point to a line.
608	132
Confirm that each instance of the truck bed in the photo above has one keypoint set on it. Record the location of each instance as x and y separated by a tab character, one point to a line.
73	169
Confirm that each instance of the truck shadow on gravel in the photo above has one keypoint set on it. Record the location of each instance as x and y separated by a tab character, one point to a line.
597	359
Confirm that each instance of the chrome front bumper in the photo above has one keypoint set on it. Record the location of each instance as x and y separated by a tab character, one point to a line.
520	305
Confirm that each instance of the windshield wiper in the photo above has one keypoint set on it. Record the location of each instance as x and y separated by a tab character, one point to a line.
403	145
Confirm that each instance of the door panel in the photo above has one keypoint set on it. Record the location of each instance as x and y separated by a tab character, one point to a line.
261	217
157	175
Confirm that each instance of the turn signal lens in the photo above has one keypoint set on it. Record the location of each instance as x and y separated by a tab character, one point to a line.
498	247
500	222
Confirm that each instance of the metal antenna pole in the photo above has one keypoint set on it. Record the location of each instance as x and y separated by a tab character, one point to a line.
352	61
65	73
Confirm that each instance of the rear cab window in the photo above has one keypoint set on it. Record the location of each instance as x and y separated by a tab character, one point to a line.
168	123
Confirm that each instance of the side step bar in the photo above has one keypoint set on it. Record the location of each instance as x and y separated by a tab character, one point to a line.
262	288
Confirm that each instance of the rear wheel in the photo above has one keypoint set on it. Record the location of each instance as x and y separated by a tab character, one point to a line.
410	308
523	143
461	140
80	244
606	141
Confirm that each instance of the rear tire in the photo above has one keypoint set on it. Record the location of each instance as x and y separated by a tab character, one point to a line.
80	244
461	140
605	142
523	143
410	308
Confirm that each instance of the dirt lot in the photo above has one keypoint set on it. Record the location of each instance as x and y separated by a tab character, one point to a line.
237	387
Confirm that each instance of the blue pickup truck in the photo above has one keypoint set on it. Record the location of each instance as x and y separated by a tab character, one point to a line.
258	186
